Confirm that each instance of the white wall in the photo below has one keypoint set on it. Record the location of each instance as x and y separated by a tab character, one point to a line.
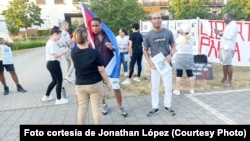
3	26
51	13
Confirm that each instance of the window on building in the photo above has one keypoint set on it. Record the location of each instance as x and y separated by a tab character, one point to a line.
59	1
40	1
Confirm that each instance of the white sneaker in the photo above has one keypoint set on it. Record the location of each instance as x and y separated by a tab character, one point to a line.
61	101
47	98
177	92
191	91
137	79
126	74
127	81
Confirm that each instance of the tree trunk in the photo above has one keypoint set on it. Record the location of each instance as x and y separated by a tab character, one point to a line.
26	35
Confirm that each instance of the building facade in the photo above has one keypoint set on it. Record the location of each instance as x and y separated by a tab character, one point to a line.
55	11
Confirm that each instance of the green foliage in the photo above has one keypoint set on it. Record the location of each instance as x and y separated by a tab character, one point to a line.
18	45
189	9
118	13
22	14
12	28
43	32
239	8
75	24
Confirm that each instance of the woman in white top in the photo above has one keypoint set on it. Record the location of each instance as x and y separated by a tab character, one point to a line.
123	40
184	59
53	57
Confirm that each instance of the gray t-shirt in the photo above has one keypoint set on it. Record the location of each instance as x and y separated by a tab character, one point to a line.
159	42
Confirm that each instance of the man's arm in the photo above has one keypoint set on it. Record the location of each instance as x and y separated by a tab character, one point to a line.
7	41
10	44
130	48
170	55
146	55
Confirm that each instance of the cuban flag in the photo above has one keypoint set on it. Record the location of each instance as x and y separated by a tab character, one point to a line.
113	68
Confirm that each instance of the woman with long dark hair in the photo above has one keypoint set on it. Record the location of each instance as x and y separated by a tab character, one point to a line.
53	57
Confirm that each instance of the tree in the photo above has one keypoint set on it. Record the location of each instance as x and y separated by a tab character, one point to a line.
239	8
189	9
22	14
118	13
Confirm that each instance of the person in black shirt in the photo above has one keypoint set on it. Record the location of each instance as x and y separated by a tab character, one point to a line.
90	74
136	52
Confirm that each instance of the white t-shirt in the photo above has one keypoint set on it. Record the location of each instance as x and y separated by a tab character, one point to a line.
228	40
122	43
52	48
184	47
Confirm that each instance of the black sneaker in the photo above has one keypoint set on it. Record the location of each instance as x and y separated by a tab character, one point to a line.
169	110
6	90
20	88
153	112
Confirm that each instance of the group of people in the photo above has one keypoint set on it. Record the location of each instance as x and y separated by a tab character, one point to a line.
92	78
90	74
131	51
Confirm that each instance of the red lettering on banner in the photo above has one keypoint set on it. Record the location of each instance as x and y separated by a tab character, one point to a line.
240	30
205	75
211	41
211	27
237	51
219	29
212	47
204	41
201	30
248	26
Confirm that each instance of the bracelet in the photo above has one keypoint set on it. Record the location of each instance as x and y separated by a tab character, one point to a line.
171	54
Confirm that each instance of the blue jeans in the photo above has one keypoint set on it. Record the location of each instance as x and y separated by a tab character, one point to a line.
124	61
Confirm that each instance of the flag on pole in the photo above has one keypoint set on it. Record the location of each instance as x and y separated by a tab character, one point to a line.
113	68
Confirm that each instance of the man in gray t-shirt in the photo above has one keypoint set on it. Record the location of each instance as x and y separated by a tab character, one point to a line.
159	40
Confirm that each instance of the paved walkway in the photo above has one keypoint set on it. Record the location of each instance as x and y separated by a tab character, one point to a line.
228	107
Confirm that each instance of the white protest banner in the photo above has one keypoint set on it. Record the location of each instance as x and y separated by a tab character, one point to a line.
210	42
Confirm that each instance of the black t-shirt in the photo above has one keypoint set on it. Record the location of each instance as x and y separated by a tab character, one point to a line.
137	40
86	62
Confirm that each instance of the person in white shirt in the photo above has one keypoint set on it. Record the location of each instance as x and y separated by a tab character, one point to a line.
184	59
159	40
227	47
66	42
6	41
123	42
53	58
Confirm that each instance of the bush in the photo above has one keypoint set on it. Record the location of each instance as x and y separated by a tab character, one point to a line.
43	32
28	44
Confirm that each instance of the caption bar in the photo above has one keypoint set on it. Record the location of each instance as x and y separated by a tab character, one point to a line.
149	131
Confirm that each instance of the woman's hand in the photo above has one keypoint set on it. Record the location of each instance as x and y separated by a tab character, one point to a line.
109	85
